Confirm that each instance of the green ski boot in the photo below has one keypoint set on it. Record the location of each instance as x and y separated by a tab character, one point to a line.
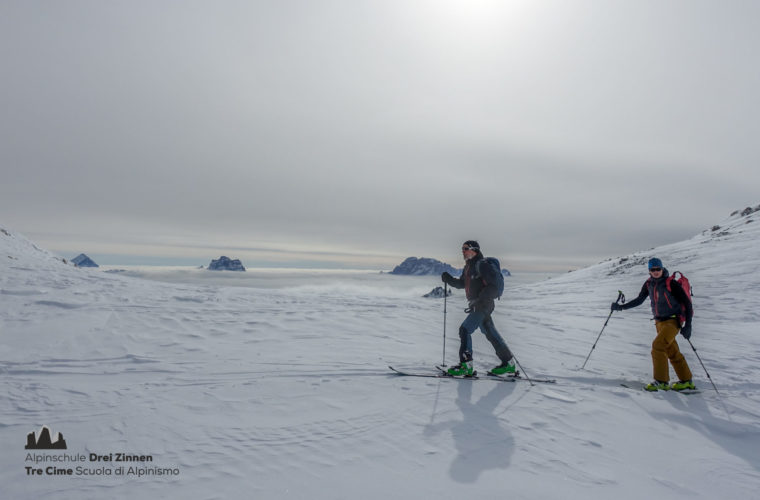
464	369
507	368
683	385
657	386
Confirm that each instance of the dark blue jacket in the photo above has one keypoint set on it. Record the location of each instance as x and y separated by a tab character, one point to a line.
478	282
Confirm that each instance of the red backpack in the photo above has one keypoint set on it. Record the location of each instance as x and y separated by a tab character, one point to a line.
684	282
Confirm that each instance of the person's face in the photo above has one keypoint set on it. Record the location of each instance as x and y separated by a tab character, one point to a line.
656	272
468	252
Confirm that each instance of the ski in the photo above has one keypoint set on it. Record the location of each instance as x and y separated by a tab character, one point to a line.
516	376
643	388
443	374
507	378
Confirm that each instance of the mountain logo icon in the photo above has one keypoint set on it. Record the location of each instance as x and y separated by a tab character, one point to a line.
43	441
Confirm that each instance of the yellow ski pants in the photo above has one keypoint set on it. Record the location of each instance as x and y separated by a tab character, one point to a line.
664	348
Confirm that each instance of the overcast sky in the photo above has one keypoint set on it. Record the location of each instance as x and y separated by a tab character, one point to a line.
356	133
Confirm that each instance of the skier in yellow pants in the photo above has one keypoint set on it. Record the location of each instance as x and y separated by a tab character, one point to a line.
667	297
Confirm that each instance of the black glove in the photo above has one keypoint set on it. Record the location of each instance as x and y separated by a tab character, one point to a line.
616	307
686	332
446	277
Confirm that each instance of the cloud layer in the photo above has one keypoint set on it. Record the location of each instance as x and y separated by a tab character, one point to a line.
362	132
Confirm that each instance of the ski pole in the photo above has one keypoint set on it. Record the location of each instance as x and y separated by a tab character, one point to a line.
620	296
522	370
445	295
703	366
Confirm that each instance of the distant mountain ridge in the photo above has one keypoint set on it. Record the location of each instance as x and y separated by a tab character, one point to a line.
424	266
82	260
224	263
414	266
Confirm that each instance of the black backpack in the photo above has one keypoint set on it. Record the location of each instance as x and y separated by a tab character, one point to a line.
496	271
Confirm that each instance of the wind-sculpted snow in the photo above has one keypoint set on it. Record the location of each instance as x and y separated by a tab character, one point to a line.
283	391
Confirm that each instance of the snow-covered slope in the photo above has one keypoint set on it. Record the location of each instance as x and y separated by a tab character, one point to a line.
284	393
16	251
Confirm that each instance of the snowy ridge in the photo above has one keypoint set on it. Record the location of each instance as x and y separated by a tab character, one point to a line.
16	249
285	393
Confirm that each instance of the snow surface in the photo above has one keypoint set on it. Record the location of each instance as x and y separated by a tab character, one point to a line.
284	392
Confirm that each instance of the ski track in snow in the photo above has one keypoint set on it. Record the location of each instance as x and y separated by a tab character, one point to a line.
284	393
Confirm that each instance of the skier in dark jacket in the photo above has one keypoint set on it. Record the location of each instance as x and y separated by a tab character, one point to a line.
666	308
481	291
